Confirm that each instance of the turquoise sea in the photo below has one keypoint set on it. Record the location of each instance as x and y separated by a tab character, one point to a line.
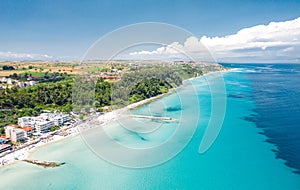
242	156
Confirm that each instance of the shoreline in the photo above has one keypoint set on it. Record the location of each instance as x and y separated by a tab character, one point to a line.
26	153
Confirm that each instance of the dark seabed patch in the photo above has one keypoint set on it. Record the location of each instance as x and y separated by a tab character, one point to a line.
236	96
276	91
173	109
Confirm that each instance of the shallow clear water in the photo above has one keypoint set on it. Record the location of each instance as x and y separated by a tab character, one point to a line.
240	158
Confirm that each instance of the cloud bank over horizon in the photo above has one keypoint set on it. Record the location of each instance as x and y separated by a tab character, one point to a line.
7	56
274	42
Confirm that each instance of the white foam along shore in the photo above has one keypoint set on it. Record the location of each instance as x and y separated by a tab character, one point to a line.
24	153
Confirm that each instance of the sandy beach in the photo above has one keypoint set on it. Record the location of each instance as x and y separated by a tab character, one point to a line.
93	121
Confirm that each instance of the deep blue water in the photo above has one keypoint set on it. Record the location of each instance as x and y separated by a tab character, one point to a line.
276	91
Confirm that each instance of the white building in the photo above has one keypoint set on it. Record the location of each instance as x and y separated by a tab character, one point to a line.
66	117
20	84
60	119
43	126
32	83
17	135
26	121
3	79
9	81
8	130
44	122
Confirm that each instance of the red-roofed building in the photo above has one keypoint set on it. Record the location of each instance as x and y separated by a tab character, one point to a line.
28	131
13	125
15	133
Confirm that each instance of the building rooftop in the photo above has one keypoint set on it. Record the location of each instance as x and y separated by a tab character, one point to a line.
13	125
26	128
18	130
4	138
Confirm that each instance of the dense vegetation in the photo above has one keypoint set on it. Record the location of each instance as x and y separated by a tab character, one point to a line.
133	87
136	86
83	93
5	67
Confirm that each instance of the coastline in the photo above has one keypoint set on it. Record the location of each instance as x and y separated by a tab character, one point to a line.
239	142
26	153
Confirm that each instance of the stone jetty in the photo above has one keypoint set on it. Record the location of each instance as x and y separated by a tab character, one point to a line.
44	163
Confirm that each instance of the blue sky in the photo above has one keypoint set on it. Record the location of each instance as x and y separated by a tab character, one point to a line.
66	29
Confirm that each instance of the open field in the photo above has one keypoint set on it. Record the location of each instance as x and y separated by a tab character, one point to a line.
37	68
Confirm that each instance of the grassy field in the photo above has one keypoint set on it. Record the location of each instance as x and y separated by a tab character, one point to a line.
37	68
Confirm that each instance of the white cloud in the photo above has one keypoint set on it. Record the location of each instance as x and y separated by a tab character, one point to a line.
23	56
191	48
275	42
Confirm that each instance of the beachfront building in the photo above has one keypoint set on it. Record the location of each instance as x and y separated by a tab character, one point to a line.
17	135
43	126
26	121
28	131
8	129
14	133
65	117
44	122
60	119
